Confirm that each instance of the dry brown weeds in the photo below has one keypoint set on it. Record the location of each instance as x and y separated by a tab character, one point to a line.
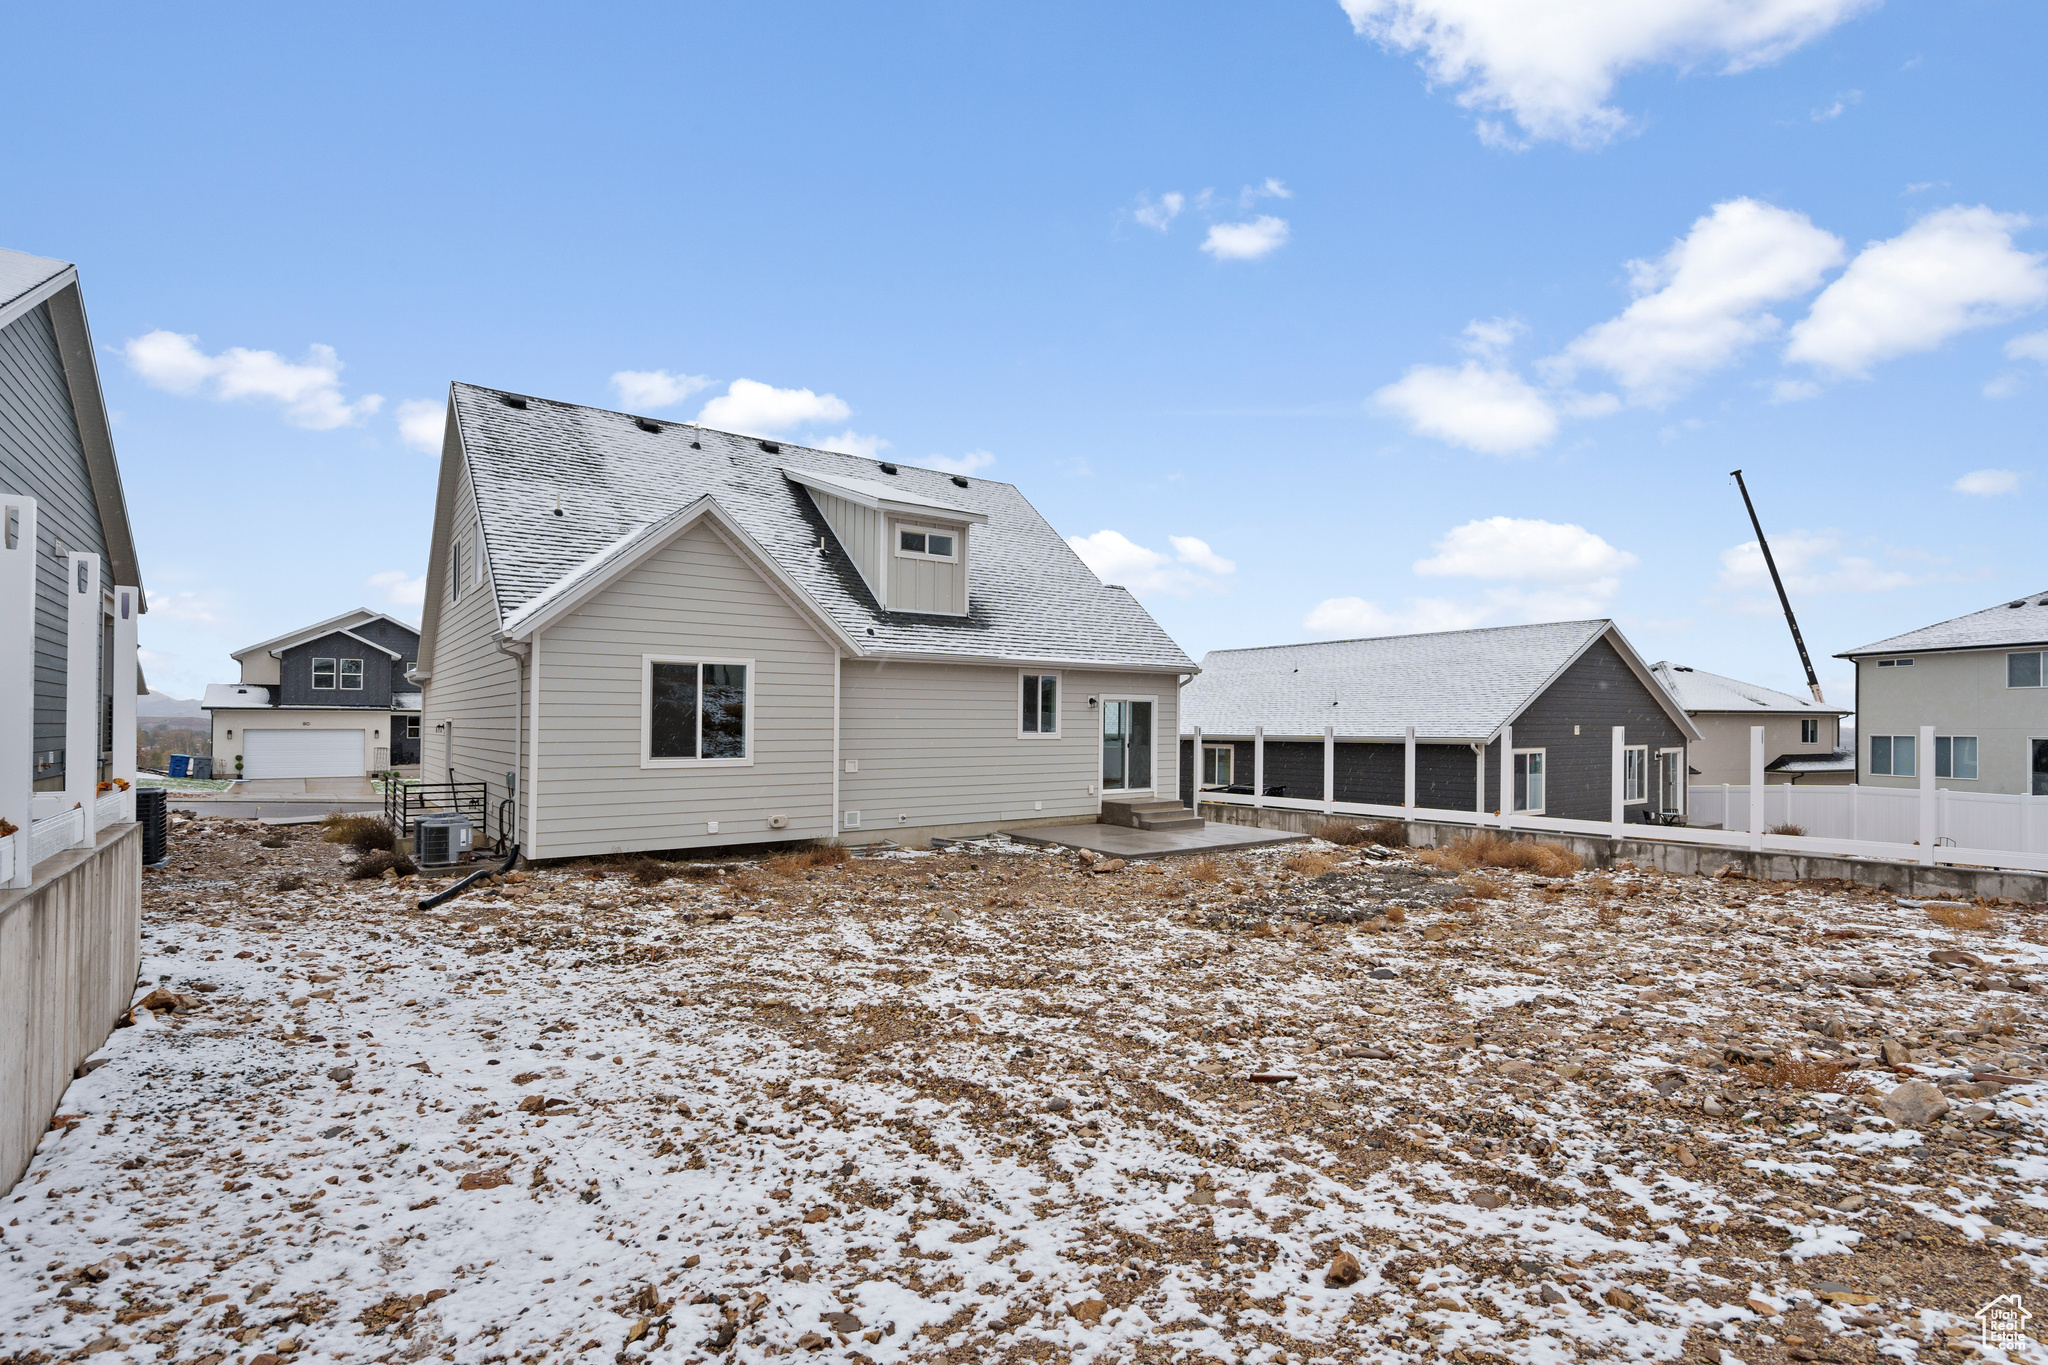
1962	916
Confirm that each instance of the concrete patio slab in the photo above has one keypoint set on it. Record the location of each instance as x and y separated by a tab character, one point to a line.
1121	841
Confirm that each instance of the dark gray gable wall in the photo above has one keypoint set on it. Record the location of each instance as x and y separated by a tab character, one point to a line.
41	456
393	637
295	674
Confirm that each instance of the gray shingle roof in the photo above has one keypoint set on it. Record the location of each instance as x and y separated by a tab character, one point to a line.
1030	599
2022	621
1458	684
1698	690
21	273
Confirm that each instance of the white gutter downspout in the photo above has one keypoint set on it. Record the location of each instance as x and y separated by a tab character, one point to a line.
533	759
518	657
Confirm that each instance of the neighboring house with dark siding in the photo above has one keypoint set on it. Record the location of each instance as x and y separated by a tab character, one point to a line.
329	701
1556	690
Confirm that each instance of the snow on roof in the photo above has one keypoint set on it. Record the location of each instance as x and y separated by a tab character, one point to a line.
1032	599
22	275
1459	684
233	697
2020	621
869	493
347	622
1840	761
1698	690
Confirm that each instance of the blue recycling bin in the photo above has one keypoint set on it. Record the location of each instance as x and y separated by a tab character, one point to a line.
181	765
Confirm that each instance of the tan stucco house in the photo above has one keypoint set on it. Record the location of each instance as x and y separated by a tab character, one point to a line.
660	636
1980	680
1802	737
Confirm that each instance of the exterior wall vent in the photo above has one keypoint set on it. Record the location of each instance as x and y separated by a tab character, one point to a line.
509	401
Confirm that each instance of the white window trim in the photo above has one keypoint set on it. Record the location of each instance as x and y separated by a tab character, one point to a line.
341	675
1544	754
1805	721
1102	718
1059	702
1642	796
1893	769
2011	686
334	686
896	542
1684	779
1951	777
647	663
1225	748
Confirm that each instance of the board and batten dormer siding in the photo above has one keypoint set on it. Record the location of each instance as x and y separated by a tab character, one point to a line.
42	456
928	585
475	684
698	597
862	533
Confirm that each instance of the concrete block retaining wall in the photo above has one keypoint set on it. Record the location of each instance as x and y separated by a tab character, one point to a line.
1905	879
70	946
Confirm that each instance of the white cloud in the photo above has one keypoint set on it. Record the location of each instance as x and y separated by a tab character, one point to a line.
1839	107
1479	406
1988	483
1271	189
758	409
308	391
1517	548
2032	346
400	589
421	424
1159	213
1810	562
1700	305
1192	568
1354	616
1552	64
1262	236
965	464
646	390
851	442
1950	272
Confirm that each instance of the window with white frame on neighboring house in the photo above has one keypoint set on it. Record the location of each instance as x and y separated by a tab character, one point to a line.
1039	717
1635	773
2023	670
1529	781
409	727
1955	756
1219	764
695	711
351	675
1809	732
922	542
1893	756
1894	663
323	674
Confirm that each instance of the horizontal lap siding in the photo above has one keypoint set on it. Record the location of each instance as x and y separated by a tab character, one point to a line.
41	456
475	685
939	743
695	598
1369	774
1597	693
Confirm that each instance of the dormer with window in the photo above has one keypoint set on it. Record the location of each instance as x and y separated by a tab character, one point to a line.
914	553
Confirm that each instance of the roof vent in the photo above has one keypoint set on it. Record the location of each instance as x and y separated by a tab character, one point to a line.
558	504
959	481
2021	603
871	630
1681	668
696	445
771	447
654	428
509	401
888	469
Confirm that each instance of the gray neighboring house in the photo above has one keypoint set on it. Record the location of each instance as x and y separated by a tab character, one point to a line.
327	701
1980	680
670	637
1562	687
1803	740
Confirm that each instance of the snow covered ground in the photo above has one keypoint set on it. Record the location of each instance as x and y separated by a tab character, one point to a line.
990	1105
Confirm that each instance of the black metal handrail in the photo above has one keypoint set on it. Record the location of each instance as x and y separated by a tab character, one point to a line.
406	802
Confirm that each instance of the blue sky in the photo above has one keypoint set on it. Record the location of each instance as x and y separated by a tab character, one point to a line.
1306	319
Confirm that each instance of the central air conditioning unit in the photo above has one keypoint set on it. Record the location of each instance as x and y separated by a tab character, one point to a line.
440	840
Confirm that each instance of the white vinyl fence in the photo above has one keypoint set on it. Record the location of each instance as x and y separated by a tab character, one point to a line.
1923	825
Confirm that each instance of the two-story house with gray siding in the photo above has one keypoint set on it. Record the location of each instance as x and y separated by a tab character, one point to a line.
1980	680
329	702
1555	692
674	637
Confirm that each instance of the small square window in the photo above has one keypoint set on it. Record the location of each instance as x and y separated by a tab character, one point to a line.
1955	757
912	541
1892	756
695	712
409	728
2023	670
323	674
351	675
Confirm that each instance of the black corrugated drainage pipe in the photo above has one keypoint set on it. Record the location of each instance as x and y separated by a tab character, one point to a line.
471	880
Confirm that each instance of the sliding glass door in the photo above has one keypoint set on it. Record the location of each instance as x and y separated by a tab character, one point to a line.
1126	744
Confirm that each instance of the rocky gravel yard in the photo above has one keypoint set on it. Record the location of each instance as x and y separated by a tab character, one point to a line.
991	1103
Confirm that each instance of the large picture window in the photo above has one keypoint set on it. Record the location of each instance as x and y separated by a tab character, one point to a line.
1040	715
323	675
695	711
351	675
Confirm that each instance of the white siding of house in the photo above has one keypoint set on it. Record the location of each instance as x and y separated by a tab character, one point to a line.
925	584
474	686
860	532
697	596
938	745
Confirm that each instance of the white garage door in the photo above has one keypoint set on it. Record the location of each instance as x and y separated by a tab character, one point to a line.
302	753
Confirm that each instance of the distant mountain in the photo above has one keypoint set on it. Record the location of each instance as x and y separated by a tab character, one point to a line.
163	704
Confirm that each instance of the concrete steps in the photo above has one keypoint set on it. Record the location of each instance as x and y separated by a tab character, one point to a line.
1159	813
